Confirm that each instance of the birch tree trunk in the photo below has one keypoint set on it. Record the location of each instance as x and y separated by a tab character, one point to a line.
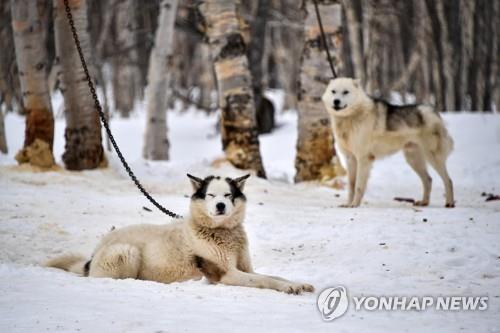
448	62
10	88
83	148
495	71
30	26
256	48
126	74
288	49
375	49
3	140
238	121
467	8
355	38
438	58
477	75
156	145
315	139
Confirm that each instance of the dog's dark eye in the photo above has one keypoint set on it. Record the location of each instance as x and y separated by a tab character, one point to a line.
334	92
345	92
227	195
211	195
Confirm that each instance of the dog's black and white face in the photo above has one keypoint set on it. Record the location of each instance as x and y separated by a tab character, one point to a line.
219	199
341	94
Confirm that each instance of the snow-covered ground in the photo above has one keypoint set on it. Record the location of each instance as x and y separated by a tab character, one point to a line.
295	231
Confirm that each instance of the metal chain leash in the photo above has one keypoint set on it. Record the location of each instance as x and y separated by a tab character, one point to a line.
105	122
323	37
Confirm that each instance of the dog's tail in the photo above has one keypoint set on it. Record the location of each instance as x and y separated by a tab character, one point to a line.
444	143
74	263
447	144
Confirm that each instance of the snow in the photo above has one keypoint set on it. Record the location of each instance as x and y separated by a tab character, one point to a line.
295	230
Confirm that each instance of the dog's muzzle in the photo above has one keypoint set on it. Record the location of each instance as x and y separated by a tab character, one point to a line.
221	208
336	105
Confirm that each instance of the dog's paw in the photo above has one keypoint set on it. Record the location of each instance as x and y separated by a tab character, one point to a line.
421	203
348	205
450	205
296	288
309	288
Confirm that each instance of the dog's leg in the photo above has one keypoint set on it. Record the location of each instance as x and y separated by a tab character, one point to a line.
415	158
244	262
118	261
363	167
238	278
351	174
439	164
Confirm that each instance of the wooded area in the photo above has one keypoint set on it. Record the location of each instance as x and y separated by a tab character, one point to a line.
223	55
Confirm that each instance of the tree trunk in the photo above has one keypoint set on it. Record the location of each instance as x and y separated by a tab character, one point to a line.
10	88
315	139
495	71
126	74
3	140
258	33
238	122
467	8
438	58
448	62
30	25
288	49
355	38
477	73
375	49
156	145
83	149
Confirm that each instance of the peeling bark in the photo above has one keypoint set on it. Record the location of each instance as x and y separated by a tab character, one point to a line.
156	145
83	148
238	122
315	139
29	24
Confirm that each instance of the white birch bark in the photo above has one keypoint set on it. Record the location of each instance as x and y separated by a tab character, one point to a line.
83	148
156	145
315	147
30	26
238	122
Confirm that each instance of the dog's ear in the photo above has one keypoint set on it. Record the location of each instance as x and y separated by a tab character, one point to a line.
357	83
240	181
195	182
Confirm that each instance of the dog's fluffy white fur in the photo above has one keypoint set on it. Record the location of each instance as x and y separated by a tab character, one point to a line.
366	129
211	242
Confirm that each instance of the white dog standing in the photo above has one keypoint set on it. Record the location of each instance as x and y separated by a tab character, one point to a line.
211	242
366	129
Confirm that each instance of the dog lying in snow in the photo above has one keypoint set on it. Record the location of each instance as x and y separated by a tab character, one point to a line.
366	129
211	242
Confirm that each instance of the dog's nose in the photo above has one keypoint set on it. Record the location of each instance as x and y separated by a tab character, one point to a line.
336	102
220	207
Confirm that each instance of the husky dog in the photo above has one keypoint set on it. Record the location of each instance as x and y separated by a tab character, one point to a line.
366	129
211	242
